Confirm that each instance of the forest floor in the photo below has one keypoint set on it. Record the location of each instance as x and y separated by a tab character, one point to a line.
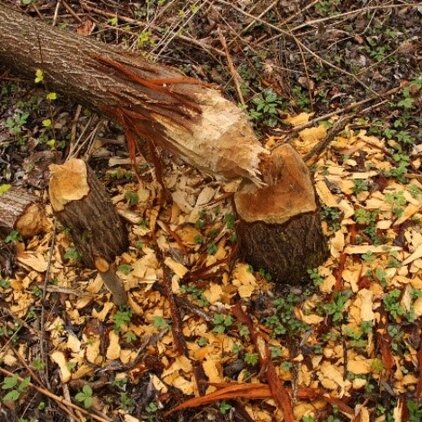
346	344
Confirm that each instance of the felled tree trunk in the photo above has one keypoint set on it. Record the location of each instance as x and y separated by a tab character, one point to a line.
81	204
152	101
23	212
279	226
180	114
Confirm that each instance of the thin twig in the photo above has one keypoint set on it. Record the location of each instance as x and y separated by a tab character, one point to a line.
233	72
353	12
306	48
44	294
347	108
207	48
317	150
37	378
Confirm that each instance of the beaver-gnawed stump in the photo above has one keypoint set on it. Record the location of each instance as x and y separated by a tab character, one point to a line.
279	227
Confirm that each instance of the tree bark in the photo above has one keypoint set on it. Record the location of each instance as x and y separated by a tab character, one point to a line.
81	204
279	227
152	101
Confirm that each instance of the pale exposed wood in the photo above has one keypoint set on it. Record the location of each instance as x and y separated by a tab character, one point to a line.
112	281
289	190
22	211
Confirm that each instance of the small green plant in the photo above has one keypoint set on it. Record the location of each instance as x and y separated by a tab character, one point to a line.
198	239
202	341
196	293
85	396
15	387
265	108
415	411
125	269
72	254
243	330
356	337
360	185
122	318
13	236
335	308
132	198
326	7
127	402
377	366
224	407
392	304
397	201
38	364
265	274
221	323
4	283
130	336
401	162
151	407
332	216
145	39
230	221
212	248
381	276
316	278
283	321
160	323
15	124
275	352
251	359
300	98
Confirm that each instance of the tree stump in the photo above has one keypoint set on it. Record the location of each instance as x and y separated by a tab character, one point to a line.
279	227
81	204
22	211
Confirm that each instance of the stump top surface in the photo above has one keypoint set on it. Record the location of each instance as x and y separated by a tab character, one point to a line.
289	190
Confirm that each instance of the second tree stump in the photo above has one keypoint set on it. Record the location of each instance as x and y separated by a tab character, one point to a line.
279	227
80	202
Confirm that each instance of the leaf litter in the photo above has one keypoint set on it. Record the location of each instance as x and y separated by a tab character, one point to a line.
345	343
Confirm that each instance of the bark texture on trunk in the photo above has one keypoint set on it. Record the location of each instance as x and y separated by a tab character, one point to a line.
81	204
153	101
279	227
287	250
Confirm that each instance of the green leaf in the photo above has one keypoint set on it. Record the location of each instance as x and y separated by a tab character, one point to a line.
39	74
9	382
11	396
46	122
24	384
132	198
406	103
87	390
160	323
51	96
125	268
5	187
